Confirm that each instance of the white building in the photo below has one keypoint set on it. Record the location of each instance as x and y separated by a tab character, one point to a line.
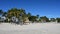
2	18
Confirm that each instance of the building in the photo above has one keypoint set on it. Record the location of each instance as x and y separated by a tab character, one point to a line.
2	18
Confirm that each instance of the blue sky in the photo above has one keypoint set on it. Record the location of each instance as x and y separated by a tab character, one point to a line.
49	8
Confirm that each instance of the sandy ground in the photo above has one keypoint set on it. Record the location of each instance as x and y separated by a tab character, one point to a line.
35	28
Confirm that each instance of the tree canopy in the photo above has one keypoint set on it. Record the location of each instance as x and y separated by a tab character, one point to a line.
22	15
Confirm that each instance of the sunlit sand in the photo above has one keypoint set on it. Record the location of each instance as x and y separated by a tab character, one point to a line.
35	28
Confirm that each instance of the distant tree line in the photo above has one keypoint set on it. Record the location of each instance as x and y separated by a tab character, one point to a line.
21	14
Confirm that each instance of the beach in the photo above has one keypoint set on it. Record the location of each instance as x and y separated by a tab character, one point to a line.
35	28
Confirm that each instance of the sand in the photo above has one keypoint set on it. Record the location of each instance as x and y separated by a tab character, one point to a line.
35	28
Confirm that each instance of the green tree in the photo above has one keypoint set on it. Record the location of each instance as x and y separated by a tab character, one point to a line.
37	18
15	12
29	14
1	12
4	14
32	18
58	20
23	15
44	18
18	13
52	19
